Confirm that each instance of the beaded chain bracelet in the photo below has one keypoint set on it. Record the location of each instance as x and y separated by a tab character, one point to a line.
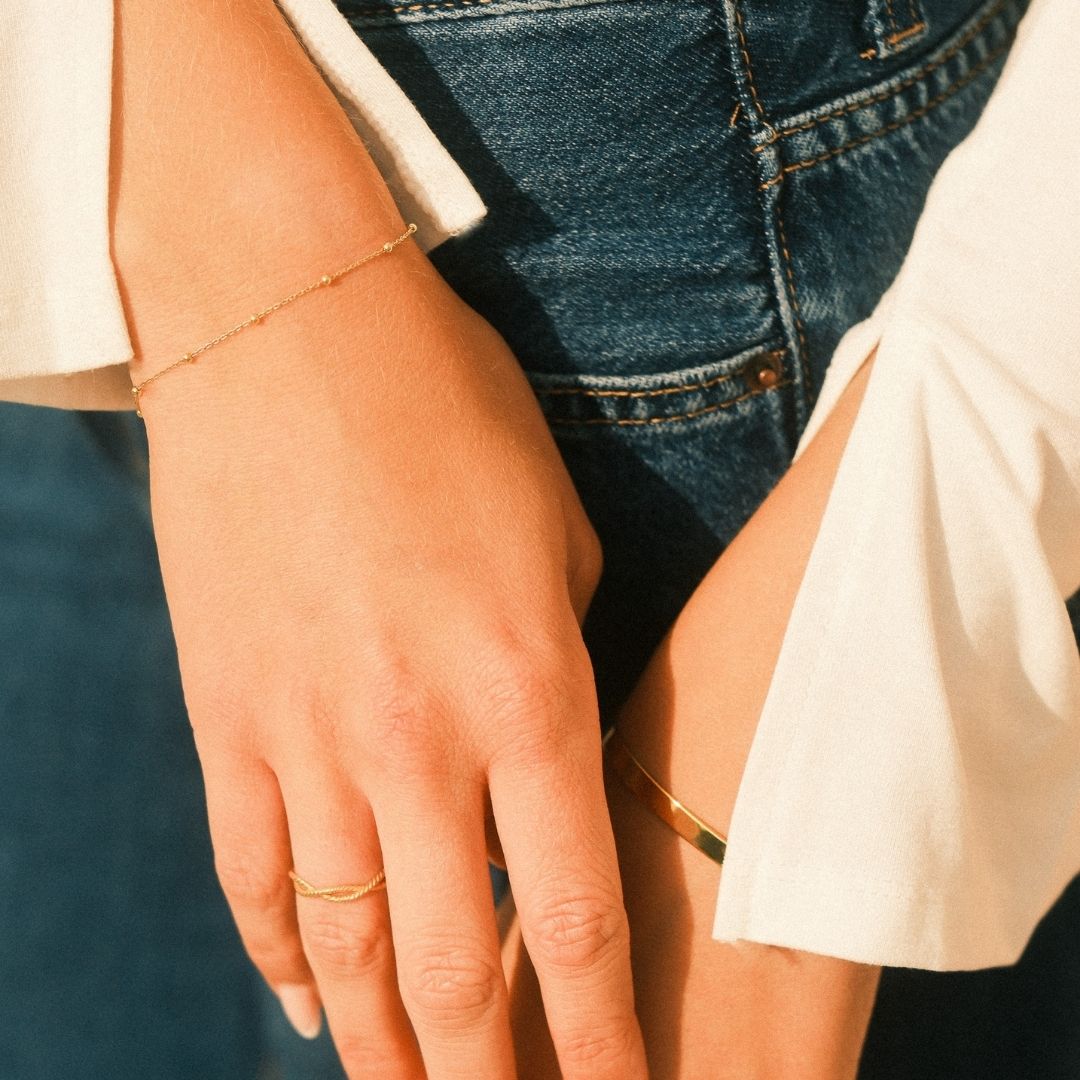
326	279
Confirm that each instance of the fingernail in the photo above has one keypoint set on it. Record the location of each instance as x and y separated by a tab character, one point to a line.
302	1008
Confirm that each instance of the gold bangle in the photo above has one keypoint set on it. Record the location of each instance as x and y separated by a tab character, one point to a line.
660	801
326	279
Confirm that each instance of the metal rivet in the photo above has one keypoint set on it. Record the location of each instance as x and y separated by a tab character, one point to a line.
767	376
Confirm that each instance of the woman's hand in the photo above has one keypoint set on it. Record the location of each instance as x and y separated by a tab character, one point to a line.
375	564
711	1010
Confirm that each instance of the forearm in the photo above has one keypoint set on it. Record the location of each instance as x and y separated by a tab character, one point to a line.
219	113
764	1011
695	712
236	176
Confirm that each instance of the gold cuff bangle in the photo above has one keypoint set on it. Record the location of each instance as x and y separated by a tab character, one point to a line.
660	801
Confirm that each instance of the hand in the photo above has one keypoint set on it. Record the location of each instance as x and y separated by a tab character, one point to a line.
712	1010
375	564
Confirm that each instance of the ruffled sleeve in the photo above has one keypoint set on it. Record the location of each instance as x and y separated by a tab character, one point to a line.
63	334
912	795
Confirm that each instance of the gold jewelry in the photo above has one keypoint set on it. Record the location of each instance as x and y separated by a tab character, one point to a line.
661	802
326	279
339	894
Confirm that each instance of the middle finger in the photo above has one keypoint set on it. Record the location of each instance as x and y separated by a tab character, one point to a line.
445	931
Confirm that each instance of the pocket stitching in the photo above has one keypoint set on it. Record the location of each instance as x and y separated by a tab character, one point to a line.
613	402
771	354
391	9
653	420
448	5
906	84
916	114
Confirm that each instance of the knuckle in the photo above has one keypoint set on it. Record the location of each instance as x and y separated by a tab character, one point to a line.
249	885
601	1050
215	710
584	934
592	558
343	952
401	713
588	566
451	987
530	691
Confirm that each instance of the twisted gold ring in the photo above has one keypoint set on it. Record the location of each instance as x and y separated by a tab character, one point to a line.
338	894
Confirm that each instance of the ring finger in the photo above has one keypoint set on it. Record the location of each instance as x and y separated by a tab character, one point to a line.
348	944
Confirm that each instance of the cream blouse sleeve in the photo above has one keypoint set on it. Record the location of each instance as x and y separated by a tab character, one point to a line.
912	796
63	335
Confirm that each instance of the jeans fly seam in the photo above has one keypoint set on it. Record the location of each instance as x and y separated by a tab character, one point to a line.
909	82
748	66
784	253
916	114
653	420
793	296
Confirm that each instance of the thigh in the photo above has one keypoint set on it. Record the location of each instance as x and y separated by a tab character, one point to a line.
118	954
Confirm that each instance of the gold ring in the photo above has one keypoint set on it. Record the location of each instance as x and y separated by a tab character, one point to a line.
338	894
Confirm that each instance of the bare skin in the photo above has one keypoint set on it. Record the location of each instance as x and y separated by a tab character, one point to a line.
375	565
711	1010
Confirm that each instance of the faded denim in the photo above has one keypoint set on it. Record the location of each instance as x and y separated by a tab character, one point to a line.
689	203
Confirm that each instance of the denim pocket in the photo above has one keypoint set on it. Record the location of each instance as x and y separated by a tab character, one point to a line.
668	398
622	238
847	179
869	112
373	11
670	466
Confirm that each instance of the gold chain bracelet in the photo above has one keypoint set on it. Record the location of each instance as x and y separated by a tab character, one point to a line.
326	279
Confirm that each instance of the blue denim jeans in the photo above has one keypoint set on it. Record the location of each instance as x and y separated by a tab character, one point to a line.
689	203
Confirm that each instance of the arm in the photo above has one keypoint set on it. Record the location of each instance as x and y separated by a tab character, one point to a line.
943	778
906	793
374	560
706	1008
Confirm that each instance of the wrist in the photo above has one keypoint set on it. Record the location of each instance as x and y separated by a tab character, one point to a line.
348	349
181	292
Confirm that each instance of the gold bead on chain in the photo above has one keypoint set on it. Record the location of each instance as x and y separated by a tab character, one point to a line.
326	279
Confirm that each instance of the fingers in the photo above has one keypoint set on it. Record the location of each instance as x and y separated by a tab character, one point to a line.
349	944
252	857
560	854
445	931
527	1020
491	835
